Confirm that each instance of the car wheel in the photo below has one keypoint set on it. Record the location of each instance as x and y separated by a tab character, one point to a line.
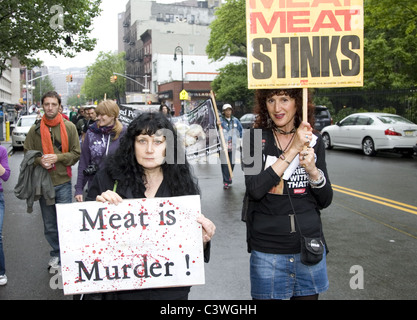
368	147
326	140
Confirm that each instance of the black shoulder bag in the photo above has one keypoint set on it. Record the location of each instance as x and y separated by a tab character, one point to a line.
312	249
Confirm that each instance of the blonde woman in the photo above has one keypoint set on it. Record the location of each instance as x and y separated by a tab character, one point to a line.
102	138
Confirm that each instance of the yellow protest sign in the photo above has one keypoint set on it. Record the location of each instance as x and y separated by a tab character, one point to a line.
304	43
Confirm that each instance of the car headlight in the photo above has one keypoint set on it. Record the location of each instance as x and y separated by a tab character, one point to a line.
18	134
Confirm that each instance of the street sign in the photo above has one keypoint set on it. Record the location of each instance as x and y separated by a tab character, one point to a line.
184	95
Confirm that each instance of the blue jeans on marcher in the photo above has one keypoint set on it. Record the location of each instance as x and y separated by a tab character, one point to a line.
225	167
63	194
2	262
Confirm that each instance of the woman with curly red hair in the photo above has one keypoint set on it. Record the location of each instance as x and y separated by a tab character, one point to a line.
285	198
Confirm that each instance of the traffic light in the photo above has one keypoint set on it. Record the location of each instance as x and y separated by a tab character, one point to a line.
69	78
113	79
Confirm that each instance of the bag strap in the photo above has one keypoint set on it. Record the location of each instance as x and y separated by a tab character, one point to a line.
293	216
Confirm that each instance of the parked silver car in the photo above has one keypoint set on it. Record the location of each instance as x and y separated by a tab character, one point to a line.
247	120
21	129
372	132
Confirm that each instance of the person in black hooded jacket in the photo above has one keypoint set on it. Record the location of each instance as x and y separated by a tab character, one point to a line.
146	165
285	193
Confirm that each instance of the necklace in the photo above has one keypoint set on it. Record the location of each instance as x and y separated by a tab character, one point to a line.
285	132
279	144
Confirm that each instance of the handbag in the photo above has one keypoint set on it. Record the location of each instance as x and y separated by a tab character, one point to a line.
311	250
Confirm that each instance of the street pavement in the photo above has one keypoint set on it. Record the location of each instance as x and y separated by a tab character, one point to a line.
367	260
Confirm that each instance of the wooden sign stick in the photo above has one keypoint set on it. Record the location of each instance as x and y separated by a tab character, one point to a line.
305	104
219	124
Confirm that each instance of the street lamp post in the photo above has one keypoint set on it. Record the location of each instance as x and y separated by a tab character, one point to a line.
179	49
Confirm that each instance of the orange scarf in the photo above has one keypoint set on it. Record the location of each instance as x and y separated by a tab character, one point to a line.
47	146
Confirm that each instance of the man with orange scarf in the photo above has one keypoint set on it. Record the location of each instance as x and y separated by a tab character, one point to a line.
58	141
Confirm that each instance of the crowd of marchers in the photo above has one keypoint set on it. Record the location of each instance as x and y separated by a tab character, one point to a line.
115	162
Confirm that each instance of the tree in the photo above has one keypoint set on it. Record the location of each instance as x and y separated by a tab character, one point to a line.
232	85
77	100
390	44
228	31
97	82
42	85
60	27
228	37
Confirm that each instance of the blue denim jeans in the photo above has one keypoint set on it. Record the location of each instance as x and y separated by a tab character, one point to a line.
63	194
225	167
2	262
282	276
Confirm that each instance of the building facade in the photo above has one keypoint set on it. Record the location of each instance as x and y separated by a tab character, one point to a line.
155	34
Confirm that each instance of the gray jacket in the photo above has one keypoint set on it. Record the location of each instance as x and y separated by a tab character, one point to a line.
34	182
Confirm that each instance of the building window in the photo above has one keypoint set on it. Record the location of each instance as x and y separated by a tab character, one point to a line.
169	17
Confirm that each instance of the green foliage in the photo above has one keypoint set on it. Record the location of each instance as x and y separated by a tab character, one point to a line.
97	82
390	44
228	31
231	84
42	85
60	27
228	37
77	100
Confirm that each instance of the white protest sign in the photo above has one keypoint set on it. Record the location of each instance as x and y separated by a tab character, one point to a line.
138	244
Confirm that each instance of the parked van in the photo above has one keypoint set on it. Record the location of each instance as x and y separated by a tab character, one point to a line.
323	118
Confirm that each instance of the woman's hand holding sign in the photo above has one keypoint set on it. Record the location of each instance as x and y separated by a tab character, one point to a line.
208	228
109	196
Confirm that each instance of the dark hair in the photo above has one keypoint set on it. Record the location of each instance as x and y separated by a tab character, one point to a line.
161	107
52	94
263	120
123	166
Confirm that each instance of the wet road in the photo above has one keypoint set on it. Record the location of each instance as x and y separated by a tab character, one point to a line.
372	240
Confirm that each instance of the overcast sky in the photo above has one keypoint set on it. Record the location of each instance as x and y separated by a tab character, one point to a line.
105	30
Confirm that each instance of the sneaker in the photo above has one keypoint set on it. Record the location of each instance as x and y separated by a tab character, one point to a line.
225	186
3	280
53	262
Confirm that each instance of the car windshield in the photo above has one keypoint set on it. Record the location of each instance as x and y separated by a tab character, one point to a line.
26	122
321	114
388	119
